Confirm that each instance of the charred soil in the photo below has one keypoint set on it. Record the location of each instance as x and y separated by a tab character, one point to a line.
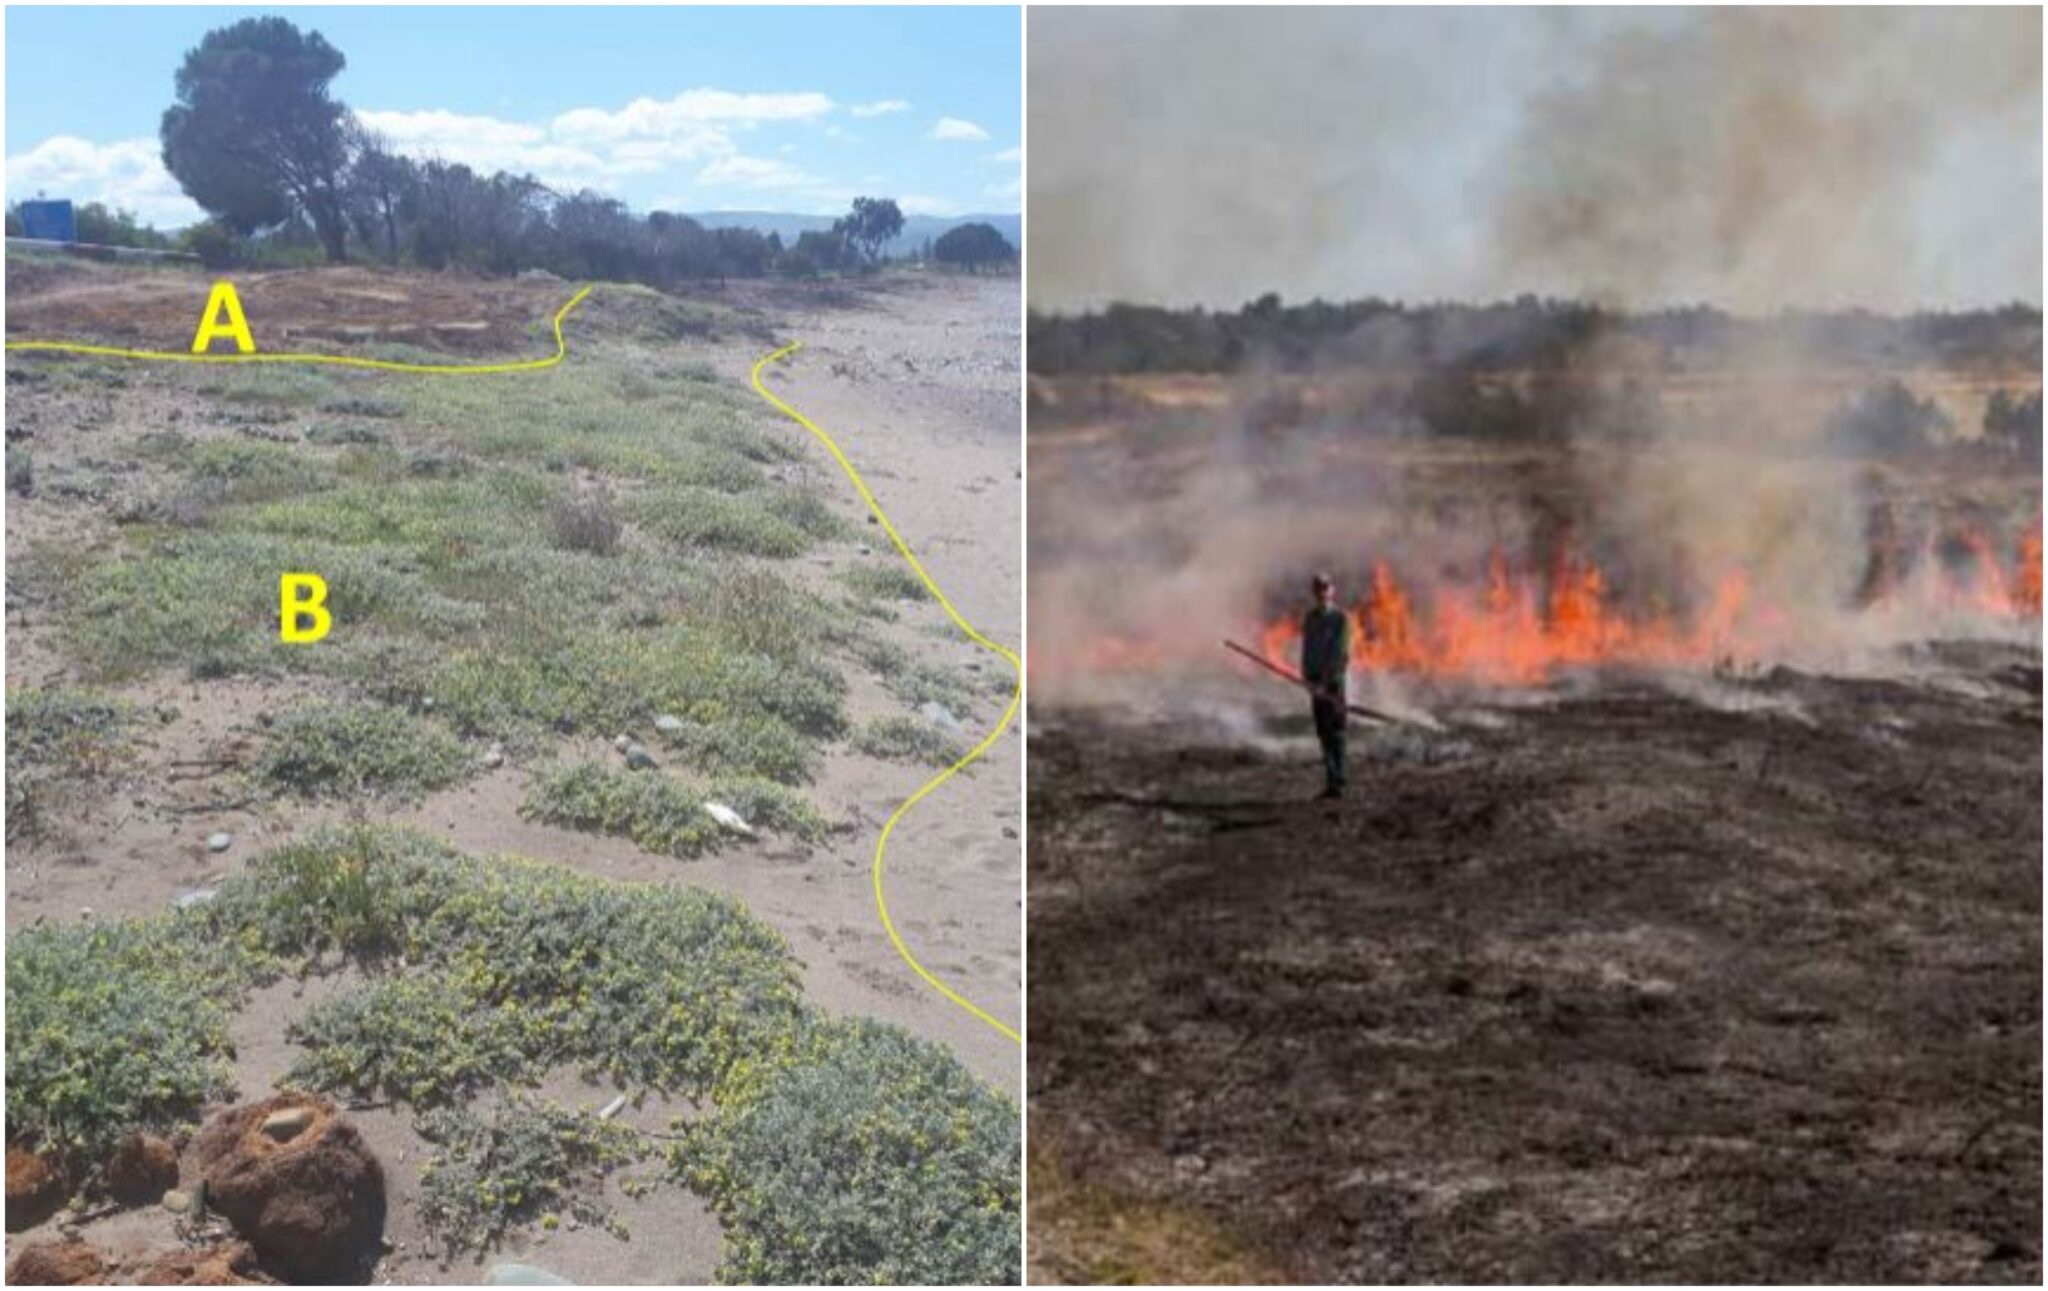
1617	987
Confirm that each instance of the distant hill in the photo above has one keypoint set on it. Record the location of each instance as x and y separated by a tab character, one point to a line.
916	228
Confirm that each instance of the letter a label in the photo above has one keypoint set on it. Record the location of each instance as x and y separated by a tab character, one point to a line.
302	597
223	317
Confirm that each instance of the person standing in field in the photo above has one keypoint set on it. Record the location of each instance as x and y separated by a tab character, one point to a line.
1325	662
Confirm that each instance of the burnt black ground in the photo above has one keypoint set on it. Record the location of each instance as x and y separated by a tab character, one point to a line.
1628	990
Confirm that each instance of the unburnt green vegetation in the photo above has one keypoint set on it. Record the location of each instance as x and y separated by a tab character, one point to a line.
524	558
354	750
889	582
516	1160
543	562
482	977
907	739
57	739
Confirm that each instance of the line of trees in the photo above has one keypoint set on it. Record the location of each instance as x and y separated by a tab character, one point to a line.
1527	333
284	170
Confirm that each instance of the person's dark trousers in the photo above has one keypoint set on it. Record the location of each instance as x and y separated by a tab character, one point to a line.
1330	722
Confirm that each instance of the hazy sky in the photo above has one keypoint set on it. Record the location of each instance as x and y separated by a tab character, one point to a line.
1746	158
690	109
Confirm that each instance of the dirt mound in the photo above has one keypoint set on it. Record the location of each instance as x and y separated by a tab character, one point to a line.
57	1264
333	310
142	1169
295	1180
34	1189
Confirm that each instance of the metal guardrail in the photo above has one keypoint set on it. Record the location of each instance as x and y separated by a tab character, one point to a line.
100	250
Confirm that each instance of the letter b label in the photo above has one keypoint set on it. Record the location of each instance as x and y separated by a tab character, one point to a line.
302	611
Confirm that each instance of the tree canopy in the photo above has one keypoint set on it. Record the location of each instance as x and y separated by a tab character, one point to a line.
971	246
872	224
254	136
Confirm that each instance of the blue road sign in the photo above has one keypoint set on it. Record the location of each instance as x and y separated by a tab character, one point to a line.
49	221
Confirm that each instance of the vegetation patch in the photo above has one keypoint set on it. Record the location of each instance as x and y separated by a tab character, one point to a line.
840	1151
353	750
694	517
116	1026
512	969
890	582
661	814
516	1160
54	738
241	470
587	523
907	739
604	679
343	432
868	1156
208	600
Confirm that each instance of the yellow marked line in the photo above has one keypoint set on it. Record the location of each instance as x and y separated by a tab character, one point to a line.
330	360
988	741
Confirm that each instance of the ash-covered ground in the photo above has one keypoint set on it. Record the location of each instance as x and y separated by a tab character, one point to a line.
1728	980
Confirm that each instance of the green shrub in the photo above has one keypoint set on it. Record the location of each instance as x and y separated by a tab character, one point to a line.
764	804
502	1165
767	749
56	738
657	813
908	739
699	518
836	1151
867	1157
893	582
335	750
606	680
209	600
360	891
515	969
810	513
587	523
364	405
117	1026
343	432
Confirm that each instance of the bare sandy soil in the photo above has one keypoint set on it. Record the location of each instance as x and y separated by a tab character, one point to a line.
916	378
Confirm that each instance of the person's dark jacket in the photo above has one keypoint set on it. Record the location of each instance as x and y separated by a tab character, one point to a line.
1325	647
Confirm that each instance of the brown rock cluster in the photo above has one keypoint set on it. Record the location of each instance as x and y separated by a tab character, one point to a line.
297	1182
142	1169
34	1189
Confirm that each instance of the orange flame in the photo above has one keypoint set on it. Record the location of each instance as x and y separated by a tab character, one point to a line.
1508	632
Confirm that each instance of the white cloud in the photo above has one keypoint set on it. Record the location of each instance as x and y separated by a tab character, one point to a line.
953	129
127	175
1008	156
753	172
879	108
919	204
435	126
688	111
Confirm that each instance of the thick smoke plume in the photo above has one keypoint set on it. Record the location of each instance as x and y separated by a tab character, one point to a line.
1747	158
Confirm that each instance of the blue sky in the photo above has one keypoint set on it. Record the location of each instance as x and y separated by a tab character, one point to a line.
692	109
